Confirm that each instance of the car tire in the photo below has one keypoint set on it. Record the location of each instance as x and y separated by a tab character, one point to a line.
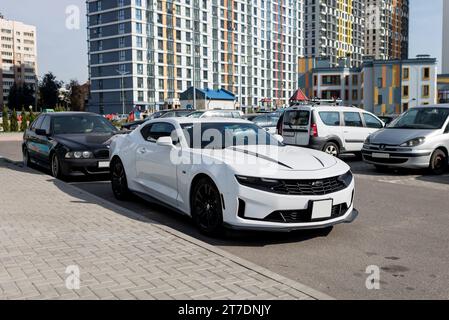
55	167
438	162
26	158
119	182
332	148
206	207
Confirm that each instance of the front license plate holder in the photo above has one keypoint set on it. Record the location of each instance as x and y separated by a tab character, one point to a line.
381	155
321	209
103	164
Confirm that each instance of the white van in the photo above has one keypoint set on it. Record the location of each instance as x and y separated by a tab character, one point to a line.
332	129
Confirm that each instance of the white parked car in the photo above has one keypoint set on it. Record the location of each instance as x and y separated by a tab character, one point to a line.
230	172
332	129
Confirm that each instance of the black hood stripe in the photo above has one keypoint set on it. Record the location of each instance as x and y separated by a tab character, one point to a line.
255	154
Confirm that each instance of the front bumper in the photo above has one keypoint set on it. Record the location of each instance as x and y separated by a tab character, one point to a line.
75	167
260	205
407	158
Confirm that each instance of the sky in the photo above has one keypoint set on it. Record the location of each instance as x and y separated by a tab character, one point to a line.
64	51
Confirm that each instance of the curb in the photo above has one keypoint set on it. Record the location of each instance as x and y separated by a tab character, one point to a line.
314	294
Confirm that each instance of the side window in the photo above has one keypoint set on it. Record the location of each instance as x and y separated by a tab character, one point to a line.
447	129
352	119
154	131
330	118
46	124
37	124
372	122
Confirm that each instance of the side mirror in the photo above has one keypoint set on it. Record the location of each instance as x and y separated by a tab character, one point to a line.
279	138
164	142
41	132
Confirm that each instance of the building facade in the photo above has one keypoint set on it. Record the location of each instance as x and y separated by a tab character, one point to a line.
387	29
334	29
145	53
446	37
378	86
18	58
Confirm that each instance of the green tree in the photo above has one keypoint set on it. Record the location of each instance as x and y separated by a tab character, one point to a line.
49	91
24	124
5	117
20	95
14	122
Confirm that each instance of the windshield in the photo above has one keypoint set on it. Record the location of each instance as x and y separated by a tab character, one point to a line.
421	118
224	135
78	124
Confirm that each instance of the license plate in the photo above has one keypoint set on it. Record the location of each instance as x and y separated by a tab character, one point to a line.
381	155
103	164
321	209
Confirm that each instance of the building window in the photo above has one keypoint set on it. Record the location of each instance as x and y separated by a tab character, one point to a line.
379	82
404	107
355	80
355	95
406	74
425	91
426	73
405	92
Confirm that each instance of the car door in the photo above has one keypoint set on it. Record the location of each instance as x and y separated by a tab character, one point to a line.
353	131
32	140
372	124
43	141
296	127
154	169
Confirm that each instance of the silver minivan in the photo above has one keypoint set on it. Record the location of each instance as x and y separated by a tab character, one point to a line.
419	138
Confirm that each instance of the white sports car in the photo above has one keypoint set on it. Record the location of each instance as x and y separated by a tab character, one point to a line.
230	172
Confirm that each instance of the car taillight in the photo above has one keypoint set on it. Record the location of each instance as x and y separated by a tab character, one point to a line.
314	131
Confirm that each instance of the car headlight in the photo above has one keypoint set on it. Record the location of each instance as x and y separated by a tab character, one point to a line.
254	181
346	178
79	155
414	142
367	140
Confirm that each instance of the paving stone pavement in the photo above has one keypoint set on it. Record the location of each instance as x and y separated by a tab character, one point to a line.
47	225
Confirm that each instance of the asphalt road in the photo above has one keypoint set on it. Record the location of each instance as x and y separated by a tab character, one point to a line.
402	228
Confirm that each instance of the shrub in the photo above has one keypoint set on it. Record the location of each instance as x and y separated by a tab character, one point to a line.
14	122
24	124
5	119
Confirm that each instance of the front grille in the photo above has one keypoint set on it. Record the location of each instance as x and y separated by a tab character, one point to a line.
101	154
385	160
308	187
377	147
303	216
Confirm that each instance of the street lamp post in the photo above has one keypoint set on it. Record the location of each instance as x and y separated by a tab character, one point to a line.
123	74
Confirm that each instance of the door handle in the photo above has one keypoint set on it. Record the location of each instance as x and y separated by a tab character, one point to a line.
142	150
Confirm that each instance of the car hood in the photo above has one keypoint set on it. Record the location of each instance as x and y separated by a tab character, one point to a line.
397	137
283	158
85	141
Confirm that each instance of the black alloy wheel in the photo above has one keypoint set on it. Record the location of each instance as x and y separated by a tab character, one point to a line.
26	158
118	180
207	211
56	167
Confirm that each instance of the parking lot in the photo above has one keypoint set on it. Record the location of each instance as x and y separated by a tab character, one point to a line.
402	229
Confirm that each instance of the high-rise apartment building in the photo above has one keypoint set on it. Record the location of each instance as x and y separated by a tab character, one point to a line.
334	29
154	50
387	28
445	37
18	57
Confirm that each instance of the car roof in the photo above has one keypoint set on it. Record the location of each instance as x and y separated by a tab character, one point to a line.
325	107
200	120
70	113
